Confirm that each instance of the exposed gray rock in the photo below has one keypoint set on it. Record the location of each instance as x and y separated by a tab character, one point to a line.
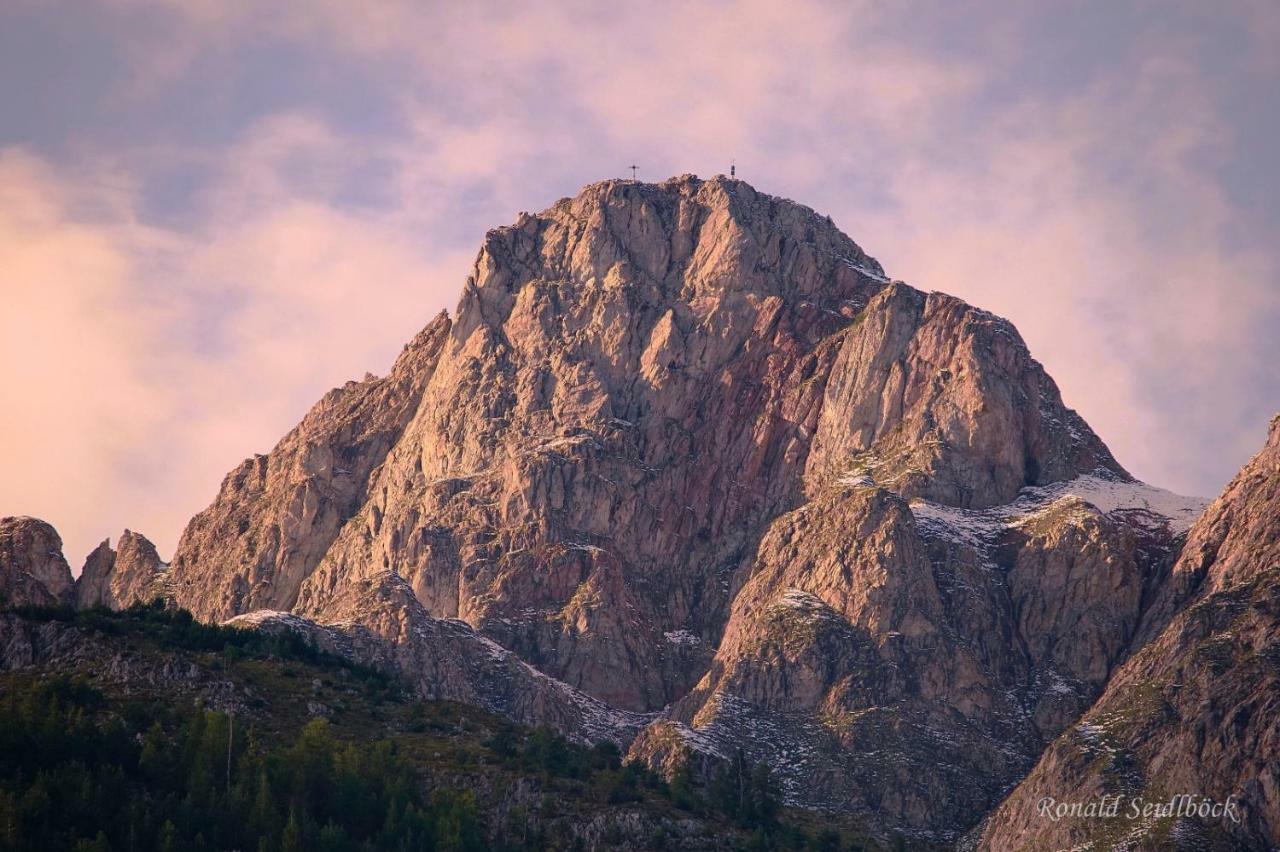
32	567
119	578
898	660
381	624
935	399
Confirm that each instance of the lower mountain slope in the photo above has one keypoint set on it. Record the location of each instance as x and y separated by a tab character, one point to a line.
144	729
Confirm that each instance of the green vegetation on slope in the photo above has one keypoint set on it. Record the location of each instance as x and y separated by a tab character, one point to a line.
322	754
152	779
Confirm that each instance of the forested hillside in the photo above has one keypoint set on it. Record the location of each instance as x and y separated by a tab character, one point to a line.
283	747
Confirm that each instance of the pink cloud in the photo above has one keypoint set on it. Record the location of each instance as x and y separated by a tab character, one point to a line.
146	363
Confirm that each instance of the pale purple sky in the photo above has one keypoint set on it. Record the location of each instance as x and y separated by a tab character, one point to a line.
213	211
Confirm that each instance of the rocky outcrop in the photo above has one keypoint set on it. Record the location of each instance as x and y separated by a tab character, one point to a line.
277	514
382	624
935	399
1195	712
33	570
133	573
841	668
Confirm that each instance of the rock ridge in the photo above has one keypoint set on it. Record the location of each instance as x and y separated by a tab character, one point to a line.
1195	710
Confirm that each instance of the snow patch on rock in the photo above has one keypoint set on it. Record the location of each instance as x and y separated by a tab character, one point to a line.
1131	501
682	637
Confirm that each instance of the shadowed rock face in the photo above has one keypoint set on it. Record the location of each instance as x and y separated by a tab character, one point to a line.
32	568
1196	710
687	461
119	578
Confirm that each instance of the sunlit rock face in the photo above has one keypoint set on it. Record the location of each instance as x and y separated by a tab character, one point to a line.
276	515
936	399
626	398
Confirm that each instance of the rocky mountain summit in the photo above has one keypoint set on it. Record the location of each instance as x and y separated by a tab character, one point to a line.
688	471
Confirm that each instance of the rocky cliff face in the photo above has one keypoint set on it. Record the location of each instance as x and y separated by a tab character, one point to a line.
935	399
1196	711
32	568
132	573
687	470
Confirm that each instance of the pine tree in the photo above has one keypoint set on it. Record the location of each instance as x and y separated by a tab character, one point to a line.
291	840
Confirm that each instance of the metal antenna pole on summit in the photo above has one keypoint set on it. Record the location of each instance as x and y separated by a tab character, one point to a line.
633	171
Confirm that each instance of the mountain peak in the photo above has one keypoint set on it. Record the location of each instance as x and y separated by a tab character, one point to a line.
683	244
131	573
758	214
664	413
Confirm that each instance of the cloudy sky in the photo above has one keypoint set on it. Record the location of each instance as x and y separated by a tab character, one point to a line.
213	211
